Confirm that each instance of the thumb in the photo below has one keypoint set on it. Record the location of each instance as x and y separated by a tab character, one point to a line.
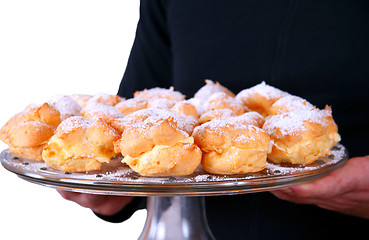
348	178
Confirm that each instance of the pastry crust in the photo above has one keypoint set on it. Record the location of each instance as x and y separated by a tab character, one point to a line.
216	114
232	148
65	105
150	114
157	92
221	100
81	99
260	98
131	105
28	131
249	118
152	144
234	161
301	137
80	144
97	110
162	103
185	109
179	159
210	88
159	133
31	153
104	98
289	103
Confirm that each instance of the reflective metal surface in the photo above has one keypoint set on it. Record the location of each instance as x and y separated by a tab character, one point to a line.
173	212
181	218
117	179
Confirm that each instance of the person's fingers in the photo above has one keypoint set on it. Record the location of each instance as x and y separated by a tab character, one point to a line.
103	204
85	200
348	178
68	195
112	204
288	195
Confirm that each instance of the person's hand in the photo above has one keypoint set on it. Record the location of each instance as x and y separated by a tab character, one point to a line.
345	190
102	204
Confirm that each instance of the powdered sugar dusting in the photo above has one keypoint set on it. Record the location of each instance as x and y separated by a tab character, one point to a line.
100	110
262	89
209	89
66	106
162	103
249	118
292	103
200	105
217	125
160	93
115	173
105	98
231	128
222	114
149	117
160	100
131	103
73	123
293	122
221	100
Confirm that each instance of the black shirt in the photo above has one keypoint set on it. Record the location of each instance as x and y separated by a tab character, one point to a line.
314	49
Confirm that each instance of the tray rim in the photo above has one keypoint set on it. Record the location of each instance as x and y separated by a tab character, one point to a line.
169	187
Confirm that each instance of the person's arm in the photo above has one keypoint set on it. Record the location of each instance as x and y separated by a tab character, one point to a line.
345	190
150	61
149	65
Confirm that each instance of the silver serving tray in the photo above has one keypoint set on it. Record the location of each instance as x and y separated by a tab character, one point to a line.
116	178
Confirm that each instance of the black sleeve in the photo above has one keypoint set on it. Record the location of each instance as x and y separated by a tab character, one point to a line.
150	61
149	65
136	204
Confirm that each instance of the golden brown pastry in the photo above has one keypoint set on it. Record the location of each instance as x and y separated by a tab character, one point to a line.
81	99
179	159
185	109
184	124
162	103
221	100
216	114
232	148
65	105
260	97
153	145
162	134
249	118
106	99
27	132
301	137
131	105
210	88
80	144
186	114
98	110
290	103
157	92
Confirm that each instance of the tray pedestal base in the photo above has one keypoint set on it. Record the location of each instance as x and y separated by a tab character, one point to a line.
181	218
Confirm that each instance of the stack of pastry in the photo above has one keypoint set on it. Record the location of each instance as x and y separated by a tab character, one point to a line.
70	133
301	133
160	133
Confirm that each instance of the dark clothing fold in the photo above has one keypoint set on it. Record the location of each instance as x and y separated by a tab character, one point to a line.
314	49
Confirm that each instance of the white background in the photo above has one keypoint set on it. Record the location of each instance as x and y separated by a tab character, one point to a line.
49	47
